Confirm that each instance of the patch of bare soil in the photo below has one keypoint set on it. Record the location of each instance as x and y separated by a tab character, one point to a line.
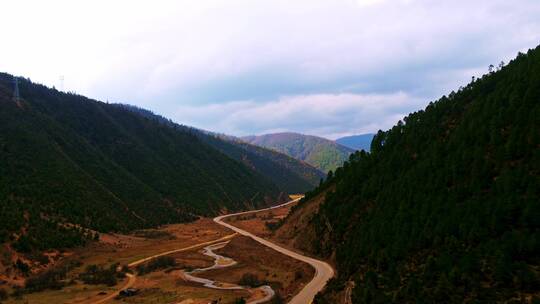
294	231
287	226
192	259
260	223
161	286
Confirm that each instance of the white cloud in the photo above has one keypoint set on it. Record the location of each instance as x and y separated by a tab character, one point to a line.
330	115
364	3
190	54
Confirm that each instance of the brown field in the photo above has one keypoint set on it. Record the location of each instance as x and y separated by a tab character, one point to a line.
256	223
171	287
156	287
284	274
126	249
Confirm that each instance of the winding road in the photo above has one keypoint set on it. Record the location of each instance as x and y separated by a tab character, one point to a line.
323	271
133	277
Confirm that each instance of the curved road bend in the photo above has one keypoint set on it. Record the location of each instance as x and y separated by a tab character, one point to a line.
132	277
323	271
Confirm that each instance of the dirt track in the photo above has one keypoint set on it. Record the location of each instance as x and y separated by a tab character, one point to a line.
132	277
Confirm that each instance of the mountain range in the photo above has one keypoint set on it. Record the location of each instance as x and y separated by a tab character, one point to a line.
72	166
288	173
322	153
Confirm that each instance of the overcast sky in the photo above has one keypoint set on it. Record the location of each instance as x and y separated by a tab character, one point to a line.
328	68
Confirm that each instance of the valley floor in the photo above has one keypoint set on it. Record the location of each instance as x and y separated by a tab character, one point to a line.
255	265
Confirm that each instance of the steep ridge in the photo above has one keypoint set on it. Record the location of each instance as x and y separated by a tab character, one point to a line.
319	152
69	162
288	174
445	208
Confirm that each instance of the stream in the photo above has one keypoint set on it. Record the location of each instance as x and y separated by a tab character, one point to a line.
223	262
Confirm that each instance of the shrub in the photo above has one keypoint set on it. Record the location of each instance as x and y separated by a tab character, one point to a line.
154	234
99	275
3	294
251	280
277	299
272	225
22	266
50	279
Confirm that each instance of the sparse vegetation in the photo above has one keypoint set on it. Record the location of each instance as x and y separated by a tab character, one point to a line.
251	280
49	279
95	274
240	301
277	299
3	294
154	234
39	257
22	266
53	278
272	225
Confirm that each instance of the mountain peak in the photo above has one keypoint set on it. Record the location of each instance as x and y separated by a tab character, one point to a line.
319	152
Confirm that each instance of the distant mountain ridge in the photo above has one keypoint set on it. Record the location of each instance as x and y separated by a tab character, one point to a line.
356	142
287	173
322	153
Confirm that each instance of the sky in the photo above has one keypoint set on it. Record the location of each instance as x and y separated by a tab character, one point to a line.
323	67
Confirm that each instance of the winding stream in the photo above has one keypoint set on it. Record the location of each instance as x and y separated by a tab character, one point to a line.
223	262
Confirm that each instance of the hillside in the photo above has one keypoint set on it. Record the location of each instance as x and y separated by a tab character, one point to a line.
288	174
69	162
321	153
356	142
445	208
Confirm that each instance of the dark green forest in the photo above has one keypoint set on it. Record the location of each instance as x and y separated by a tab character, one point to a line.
69	163
288	174
445	208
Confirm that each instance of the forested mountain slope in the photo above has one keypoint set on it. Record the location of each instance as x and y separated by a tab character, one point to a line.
446	207
319	152
66	159
288	174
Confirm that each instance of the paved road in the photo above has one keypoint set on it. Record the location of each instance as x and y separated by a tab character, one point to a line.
323	271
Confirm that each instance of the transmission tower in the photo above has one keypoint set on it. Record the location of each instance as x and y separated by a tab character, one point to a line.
16	95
